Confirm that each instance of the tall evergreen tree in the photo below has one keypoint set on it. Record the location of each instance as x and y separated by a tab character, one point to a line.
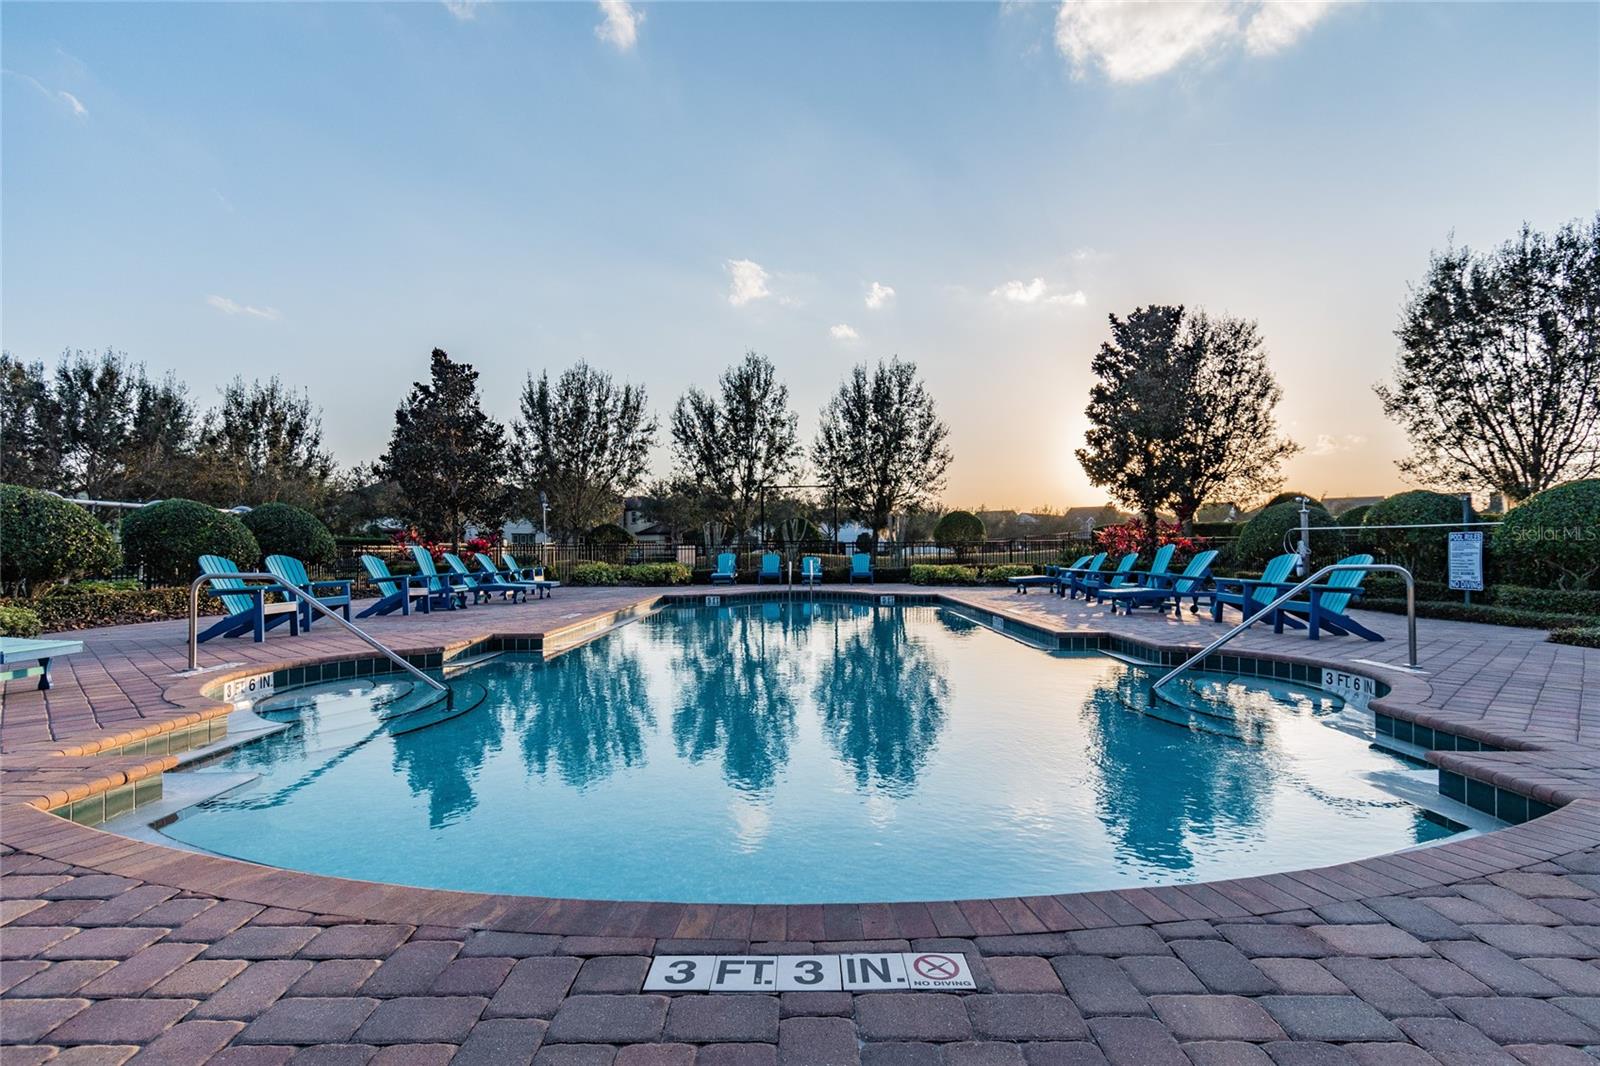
734	448
882	448
263	444
584	442
448	458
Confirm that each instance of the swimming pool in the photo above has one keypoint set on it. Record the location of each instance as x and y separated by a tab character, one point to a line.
785	752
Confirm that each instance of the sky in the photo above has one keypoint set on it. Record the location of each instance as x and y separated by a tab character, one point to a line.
328	191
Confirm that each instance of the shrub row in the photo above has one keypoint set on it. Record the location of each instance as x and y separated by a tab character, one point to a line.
637	574
1491	614
1582	636
114	608
949	574
1521	597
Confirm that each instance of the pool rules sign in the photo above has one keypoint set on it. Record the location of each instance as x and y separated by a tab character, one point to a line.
888	971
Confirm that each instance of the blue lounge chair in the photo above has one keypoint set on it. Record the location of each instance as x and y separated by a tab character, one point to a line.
291	571
1249	595
1121	577
724	573
482	587
246	604
810	570
1049	579
1166	588
522	573
1071	579
771	568
861	568
1327	605
539	585
447	589
395	591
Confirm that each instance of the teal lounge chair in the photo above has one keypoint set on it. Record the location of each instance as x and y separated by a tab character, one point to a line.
447	589
771	569
810	570
1049	579
247	606
1249	595
861	568
1327	605
493	574
1166	588
522	573
1121	577
1072	579
1141	578
395	591
292	571
724	573
480	585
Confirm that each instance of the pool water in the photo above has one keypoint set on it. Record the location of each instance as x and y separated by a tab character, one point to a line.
805	752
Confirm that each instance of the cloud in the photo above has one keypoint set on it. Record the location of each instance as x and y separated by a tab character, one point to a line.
878	295
1133	40
748	281
1330	444
842	332
60	95
621	26
230	307
1038	291
463	10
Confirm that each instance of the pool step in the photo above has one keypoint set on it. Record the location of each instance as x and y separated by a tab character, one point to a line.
456	666
1240	707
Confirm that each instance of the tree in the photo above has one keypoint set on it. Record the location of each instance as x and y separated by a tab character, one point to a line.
447	457
263	444
1131	413
960	531
30	438
881	447
736	448
585	442
1498	380
1226	442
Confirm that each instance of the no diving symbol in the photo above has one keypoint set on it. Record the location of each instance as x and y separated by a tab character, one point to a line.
935	967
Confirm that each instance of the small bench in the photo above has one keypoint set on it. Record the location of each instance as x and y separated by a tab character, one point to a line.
24	649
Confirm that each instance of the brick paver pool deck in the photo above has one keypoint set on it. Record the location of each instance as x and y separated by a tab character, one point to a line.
1477	951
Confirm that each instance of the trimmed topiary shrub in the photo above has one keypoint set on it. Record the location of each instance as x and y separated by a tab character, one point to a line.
999	575
609	534
941	574
1553	538
168	538
19	622
656	574
959	530
1291	497
1424	552
284	529
1355	515
595	574
1266	535
46	539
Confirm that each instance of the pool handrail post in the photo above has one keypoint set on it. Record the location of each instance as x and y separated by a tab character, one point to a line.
312	601
1295	590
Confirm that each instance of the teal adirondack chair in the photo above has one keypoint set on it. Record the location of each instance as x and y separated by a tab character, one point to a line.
447	589
246	604
861	568
810	570
493	574
724	573
1249	595
480	587
292	571
771	568
1074	579
1121	577
517	572
1166	589
1327	604
1137	578
395	591
1049	579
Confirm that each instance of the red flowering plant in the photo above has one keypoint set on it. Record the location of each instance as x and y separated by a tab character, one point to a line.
1135	537
405	538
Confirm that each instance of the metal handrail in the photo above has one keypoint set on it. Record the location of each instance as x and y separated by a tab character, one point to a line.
326	611
1299	587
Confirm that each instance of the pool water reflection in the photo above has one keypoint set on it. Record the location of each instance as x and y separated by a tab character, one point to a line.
800	752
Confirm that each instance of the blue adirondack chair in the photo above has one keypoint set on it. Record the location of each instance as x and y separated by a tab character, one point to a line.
481	587
771	569
521	573
1159	564
1071	579
1049	579
810	570
395	591
1166	589
291	571
246	604
539	585
1121	577
1326	604
447	589
1249	595
723	574
861	568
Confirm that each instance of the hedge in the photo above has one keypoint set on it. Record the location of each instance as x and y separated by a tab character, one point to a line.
943	574
284	529
45	539
1263	536
1520	597
1553	537
1355	515
1422	551
63	612
637	574
1488	613
1582	636
19	622
168	538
